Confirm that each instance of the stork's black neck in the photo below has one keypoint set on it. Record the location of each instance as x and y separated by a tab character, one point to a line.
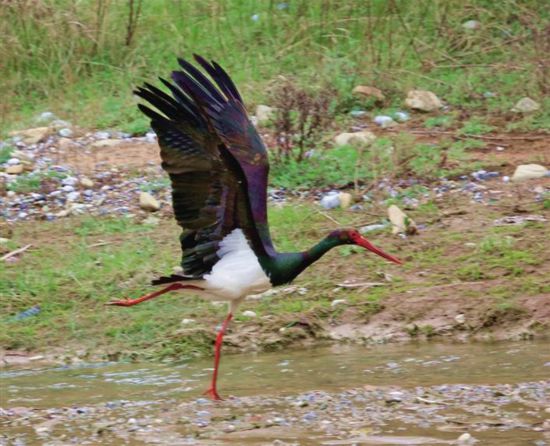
284	267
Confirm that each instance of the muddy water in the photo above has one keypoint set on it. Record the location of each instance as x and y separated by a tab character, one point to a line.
388	394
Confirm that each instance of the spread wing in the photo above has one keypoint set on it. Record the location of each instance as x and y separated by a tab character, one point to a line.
224	110
198	129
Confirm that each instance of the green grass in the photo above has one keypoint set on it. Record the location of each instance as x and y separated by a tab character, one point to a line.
32	182
75	58
5	153
77	265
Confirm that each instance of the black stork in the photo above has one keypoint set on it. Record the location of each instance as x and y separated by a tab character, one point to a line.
218	167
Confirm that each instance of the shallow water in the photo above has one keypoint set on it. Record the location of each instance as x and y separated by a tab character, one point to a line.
71	394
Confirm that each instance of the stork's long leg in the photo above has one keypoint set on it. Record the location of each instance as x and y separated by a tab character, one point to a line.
212	391
172	287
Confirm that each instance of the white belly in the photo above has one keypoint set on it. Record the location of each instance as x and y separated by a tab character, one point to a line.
238	272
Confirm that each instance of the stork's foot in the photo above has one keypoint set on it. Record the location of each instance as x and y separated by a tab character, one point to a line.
213	394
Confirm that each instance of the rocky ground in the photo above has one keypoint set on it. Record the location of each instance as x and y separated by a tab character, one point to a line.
462	415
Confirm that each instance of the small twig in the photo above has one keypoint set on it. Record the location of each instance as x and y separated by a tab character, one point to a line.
94	245
14	253
361	285
330	218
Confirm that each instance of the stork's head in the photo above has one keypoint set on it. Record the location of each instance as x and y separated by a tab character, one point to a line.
353	237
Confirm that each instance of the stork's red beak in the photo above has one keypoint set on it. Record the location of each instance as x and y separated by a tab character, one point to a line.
368	245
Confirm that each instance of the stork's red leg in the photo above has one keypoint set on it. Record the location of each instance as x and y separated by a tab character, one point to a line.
172	287
212	391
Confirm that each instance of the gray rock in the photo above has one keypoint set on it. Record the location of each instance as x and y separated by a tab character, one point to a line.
13	161
148	203
331	200
384	121
362	138
529	171
69	181
45	117
65	132
86	182
401	116
526	105
151	137
358	113
101	135
423	100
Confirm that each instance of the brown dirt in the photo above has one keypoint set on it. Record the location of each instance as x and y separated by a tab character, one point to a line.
126	155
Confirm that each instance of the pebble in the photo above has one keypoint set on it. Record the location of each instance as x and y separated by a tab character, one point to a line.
331	200
401	116
460	318
337	302
249	313
384	121
465	439
13	162
148	203
65	132
471	25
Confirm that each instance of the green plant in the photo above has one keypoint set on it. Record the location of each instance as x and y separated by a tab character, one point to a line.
5	153
445	122
475	126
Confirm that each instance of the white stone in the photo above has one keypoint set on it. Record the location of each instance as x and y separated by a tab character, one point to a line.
345	199
423	100
13	162
45	117
337	302
362	138
471	25
384	121
264	114
249	313
529	171
15	169
401	116
330	200
73	196
400	221
102	135
65	132
187	321
148	203
86	182
465	439
69	181
526	105
460	318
